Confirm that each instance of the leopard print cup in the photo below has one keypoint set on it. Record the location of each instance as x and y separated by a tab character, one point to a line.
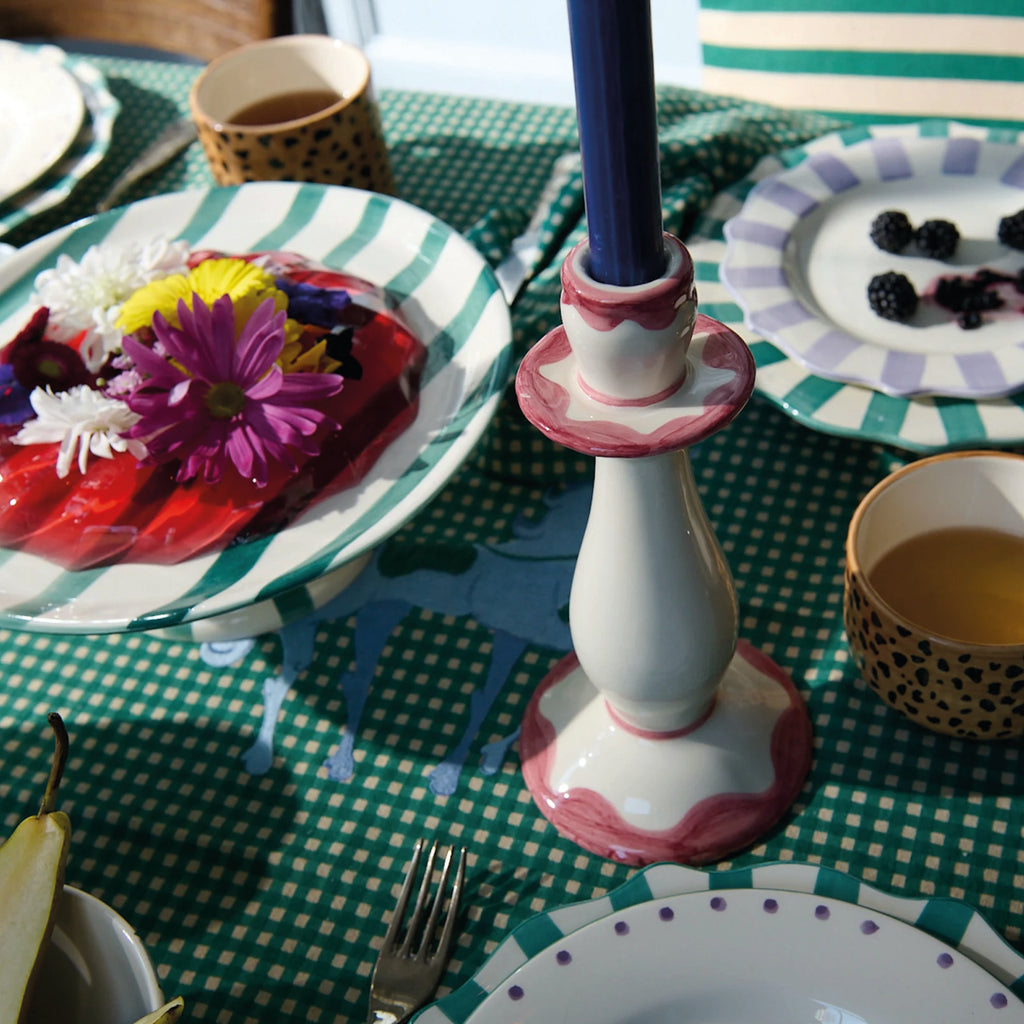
969	690
339	144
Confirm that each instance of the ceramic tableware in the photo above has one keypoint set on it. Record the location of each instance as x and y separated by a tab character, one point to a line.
89	147
779	942
800	257
41	109
921	424
929	640
96	969
685	743
292	108
436	281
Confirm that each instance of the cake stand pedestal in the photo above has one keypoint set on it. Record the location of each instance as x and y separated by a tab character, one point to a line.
662	736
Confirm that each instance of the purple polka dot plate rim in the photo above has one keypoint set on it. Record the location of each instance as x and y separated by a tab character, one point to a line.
798	258
647	929
803	956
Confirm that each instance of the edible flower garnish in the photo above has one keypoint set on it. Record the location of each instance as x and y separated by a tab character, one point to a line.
15	406
216	399
87	296
173	356
313	305
84	422
246	284
297	358
38	362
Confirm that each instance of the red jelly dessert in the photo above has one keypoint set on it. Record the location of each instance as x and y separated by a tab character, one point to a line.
127	508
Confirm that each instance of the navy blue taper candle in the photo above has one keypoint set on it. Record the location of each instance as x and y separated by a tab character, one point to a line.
613	70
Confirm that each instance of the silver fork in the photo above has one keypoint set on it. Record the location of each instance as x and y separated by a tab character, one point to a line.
412	959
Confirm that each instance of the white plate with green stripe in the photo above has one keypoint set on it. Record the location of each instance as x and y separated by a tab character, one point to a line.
918	424
435	279
778	942
88	149
41	109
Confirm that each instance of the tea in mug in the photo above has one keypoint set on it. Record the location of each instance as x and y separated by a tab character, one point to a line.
289	106
963	583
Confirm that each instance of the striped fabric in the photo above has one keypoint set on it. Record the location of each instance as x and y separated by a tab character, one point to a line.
870	59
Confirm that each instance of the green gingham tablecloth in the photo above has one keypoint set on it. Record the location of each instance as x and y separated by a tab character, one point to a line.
258	849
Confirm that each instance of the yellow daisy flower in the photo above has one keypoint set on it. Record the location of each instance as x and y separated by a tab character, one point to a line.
294	359
246	284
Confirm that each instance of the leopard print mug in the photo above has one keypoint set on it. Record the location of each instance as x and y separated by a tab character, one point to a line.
292	108
954	686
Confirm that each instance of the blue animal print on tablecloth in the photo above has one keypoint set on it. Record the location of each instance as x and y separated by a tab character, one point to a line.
518	589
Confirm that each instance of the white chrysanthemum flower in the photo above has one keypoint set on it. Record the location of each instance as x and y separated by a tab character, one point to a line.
87	295
85	422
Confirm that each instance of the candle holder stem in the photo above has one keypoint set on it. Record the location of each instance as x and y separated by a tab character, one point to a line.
662	736
653	609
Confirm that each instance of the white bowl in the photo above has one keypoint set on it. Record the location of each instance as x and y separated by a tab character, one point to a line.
96	971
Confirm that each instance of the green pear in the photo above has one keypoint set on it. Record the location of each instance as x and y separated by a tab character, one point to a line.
167	1014
32	864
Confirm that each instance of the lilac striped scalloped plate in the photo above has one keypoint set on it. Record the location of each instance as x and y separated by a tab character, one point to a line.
799	258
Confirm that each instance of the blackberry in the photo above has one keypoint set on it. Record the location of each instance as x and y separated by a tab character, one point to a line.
986	276
984	300
969	321
892	231
892	296
970	294
937	239
953	293
1011	230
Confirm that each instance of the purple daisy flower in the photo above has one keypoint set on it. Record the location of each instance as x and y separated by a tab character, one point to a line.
216	399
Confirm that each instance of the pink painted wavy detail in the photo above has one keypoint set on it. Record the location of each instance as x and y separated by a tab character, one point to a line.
629	403
546	403
651	734
713	829
652	306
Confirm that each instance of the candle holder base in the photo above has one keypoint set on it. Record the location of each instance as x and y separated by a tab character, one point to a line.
692	796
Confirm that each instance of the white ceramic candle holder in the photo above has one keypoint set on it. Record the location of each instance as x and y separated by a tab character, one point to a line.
662	736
